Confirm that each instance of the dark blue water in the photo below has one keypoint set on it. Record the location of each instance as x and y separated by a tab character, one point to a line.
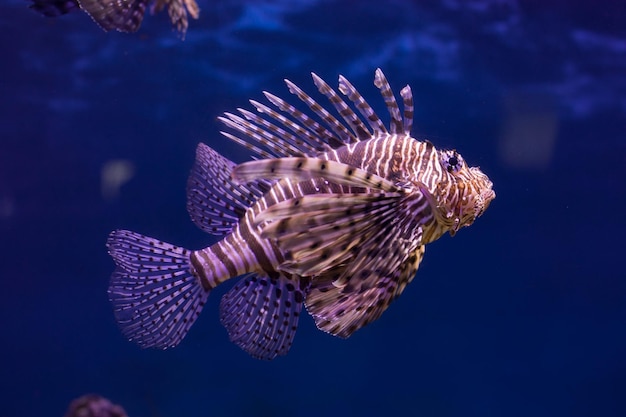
522	314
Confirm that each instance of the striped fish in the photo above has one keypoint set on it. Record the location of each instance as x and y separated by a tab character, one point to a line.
333	214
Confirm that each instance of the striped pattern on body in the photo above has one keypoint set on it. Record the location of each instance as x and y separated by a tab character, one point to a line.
244	250
334	214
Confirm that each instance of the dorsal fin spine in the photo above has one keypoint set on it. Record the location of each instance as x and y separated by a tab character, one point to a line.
396	125
340	130
357	126
366	110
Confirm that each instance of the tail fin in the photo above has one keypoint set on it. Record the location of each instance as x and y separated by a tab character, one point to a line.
155	296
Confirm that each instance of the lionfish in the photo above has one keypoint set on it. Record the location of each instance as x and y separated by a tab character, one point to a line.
122	15
333	214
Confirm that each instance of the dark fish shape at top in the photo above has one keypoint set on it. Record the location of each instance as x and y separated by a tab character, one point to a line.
122	15
334	214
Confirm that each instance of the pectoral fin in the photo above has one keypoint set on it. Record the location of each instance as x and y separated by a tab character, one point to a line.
341	311
319	232
308	168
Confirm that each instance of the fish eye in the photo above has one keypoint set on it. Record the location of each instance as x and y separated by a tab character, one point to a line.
451	161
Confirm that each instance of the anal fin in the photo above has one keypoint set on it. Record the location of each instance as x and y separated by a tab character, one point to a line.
261	314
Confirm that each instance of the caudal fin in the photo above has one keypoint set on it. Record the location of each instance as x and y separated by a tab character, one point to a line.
155	296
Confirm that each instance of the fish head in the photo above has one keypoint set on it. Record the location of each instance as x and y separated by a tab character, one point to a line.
463	193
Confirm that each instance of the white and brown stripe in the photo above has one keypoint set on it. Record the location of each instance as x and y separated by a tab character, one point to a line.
390	153
335	214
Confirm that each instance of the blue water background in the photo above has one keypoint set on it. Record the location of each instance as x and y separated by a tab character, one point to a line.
522	314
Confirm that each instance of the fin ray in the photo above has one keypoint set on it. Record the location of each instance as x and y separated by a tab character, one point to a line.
214	201
156	298
273	140
316	133
261	314
396	125
341	224
291	145
348	115
257	130
339	129
366	110
308	168
407	99
383	263
341	313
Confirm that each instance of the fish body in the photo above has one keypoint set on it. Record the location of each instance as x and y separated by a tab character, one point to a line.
333	215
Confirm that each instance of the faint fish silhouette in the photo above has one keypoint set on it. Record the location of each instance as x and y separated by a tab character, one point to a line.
54	8
122	15
93	405
332	215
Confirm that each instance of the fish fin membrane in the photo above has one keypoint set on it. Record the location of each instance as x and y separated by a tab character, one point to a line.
281	130
319	232
342	310
155	296
261	314
214	201
309	168
359	250
123	16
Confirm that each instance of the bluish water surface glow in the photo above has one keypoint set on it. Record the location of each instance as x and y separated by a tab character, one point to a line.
523	314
